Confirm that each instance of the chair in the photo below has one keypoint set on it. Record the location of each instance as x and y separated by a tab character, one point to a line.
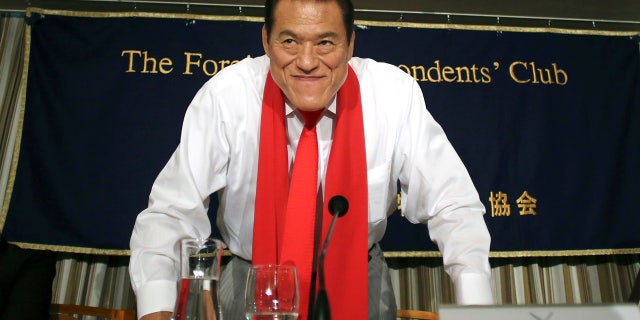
417	315
75	312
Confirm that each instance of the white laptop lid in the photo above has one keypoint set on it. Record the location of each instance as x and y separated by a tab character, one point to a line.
541	312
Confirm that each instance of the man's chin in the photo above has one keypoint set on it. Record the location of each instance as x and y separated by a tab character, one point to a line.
310	108
309	104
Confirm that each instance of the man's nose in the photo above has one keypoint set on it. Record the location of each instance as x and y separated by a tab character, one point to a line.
307	58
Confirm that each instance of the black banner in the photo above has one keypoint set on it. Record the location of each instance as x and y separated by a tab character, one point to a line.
547	123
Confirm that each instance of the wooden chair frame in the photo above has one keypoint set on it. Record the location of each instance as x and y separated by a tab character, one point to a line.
70	311
417	315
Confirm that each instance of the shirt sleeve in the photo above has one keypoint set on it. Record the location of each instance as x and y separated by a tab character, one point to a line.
178	205
437	190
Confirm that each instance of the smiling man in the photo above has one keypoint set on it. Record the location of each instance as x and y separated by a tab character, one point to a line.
249	136
308	52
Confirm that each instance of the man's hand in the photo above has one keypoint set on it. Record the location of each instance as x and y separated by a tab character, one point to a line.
162	315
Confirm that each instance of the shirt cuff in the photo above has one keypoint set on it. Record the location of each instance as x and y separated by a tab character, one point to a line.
155	296
473	289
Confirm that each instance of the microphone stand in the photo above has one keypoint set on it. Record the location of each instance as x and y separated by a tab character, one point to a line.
338	207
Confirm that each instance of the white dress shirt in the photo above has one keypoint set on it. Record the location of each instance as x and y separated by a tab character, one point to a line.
218	151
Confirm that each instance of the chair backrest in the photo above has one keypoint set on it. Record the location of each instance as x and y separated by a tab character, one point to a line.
71	312
417	315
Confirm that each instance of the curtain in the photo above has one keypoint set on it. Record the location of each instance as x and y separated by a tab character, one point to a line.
80	279
93	280
12	28
419	283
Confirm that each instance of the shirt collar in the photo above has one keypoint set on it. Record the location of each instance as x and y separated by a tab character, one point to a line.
332	108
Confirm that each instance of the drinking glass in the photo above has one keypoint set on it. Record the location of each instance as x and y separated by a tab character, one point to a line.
272	293
199	291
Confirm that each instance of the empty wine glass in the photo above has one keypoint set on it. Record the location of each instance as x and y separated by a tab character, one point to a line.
272	293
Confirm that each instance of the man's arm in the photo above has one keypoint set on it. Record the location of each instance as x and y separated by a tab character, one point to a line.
440	192
178	205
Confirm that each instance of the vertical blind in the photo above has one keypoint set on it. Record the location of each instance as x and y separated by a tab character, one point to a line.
419	283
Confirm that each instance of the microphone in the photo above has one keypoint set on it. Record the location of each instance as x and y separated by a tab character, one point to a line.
338	207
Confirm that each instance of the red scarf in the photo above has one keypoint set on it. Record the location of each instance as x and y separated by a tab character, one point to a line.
346	260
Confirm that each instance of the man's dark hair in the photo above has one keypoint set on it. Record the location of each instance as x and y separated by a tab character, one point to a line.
345	6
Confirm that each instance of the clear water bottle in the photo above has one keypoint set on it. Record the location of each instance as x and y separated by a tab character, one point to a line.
199	290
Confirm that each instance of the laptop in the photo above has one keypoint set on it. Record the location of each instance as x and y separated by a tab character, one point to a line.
625	311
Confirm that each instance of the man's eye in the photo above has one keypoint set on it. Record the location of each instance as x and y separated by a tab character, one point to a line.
288	41
326	42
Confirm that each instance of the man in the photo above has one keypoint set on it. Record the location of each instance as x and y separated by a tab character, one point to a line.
373	129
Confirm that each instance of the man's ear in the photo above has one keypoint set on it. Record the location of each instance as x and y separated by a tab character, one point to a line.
265	41
352	44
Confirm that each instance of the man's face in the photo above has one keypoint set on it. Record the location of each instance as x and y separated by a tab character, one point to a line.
309	52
